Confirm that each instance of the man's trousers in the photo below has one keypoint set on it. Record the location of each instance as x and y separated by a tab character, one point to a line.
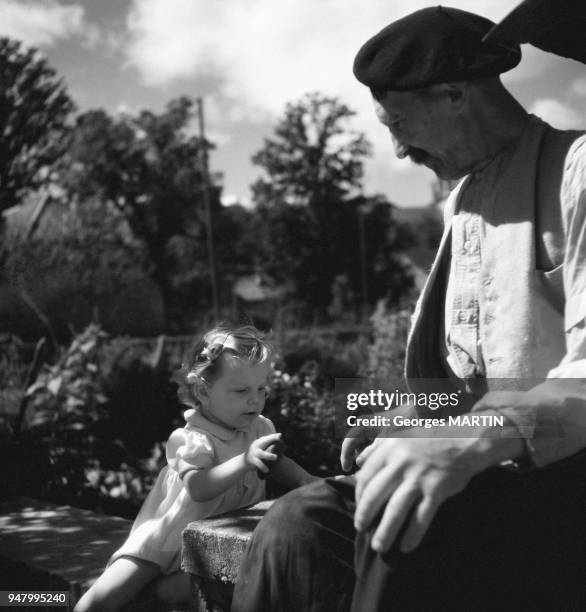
509	540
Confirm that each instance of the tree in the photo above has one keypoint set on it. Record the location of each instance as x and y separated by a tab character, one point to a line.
82	264
35	109
149	167
313	159
312	206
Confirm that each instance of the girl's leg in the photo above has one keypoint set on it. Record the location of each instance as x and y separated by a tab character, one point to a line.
118	585
173	588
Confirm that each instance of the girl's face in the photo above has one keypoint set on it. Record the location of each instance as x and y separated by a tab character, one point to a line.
237	396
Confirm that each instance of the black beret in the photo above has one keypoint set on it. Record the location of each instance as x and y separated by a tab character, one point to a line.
433	45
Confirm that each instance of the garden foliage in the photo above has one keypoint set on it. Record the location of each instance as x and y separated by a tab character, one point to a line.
99	412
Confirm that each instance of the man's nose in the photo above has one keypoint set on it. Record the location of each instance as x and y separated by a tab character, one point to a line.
401	148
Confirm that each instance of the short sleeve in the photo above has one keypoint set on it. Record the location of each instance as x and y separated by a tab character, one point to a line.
189	450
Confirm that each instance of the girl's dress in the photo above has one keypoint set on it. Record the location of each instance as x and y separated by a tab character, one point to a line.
156	533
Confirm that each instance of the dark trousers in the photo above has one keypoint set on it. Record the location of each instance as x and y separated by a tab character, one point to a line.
508	541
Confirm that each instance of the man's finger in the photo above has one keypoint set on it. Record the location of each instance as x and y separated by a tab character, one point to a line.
376	461
419	524
394	516
365	454
347	452
373	497
358	439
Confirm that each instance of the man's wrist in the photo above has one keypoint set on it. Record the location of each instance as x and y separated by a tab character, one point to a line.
501	446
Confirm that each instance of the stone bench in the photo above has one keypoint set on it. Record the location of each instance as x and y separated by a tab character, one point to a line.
55	547
212	550
46	546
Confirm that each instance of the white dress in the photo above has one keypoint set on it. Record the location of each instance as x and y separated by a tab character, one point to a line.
156	533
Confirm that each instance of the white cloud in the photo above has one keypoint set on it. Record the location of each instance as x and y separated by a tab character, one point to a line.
557	114
579	86
265	53
43	23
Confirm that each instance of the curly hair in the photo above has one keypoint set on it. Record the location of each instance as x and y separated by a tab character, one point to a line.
205	365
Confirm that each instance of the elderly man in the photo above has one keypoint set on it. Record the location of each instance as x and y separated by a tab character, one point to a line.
495	518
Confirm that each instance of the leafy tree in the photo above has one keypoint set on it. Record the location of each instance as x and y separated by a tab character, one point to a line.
35	107
313	158
82	264
312	207
149	167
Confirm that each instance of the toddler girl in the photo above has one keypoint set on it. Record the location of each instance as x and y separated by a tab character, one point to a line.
212	467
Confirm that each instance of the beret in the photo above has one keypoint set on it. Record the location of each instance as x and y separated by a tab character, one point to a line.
433	45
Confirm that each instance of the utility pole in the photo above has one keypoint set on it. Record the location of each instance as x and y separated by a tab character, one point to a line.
363	280
208	211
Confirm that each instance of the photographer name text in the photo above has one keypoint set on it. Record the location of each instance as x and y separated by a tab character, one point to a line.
464	420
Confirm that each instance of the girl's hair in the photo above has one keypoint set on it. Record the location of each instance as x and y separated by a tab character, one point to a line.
205	365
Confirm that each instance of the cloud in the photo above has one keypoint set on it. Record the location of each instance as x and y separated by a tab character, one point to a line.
264	53
44	23
261	54
556	113
579	86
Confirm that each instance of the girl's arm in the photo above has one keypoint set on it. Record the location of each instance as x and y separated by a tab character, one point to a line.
203	485
290	474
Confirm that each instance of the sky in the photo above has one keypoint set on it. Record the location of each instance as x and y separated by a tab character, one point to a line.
247	59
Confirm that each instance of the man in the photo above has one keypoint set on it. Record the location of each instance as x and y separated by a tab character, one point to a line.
496	518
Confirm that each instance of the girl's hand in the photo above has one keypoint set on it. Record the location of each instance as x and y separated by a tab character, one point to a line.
257	452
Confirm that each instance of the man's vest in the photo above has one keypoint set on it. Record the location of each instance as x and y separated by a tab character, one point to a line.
521	297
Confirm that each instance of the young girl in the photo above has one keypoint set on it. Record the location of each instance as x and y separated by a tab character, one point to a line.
212	467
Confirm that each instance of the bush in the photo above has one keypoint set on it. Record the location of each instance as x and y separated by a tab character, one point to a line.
142	407
340	354
386	355
98	416
80	265
304	413
13	371
70	424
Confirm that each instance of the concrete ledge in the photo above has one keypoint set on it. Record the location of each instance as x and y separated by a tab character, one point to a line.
212	550
56	547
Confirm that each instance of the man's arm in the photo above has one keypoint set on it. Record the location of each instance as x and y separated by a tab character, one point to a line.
414	473
552	416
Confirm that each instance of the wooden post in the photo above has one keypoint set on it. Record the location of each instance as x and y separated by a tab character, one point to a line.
208	211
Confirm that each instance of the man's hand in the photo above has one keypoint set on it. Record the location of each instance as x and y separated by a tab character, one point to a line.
257	452
361	437
353	446
411	476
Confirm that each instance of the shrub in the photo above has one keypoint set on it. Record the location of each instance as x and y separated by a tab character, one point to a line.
386	354
339	354
304	414
13	371
64	405
98	415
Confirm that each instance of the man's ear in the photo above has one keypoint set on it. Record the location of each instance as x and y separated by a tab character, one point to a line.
456	93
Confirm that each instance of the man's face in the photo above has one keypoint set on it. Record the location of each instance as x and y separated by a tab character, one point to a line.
423	128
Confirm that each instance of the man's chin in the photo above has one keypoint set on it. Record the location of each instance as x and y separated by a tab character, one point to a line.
446	174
